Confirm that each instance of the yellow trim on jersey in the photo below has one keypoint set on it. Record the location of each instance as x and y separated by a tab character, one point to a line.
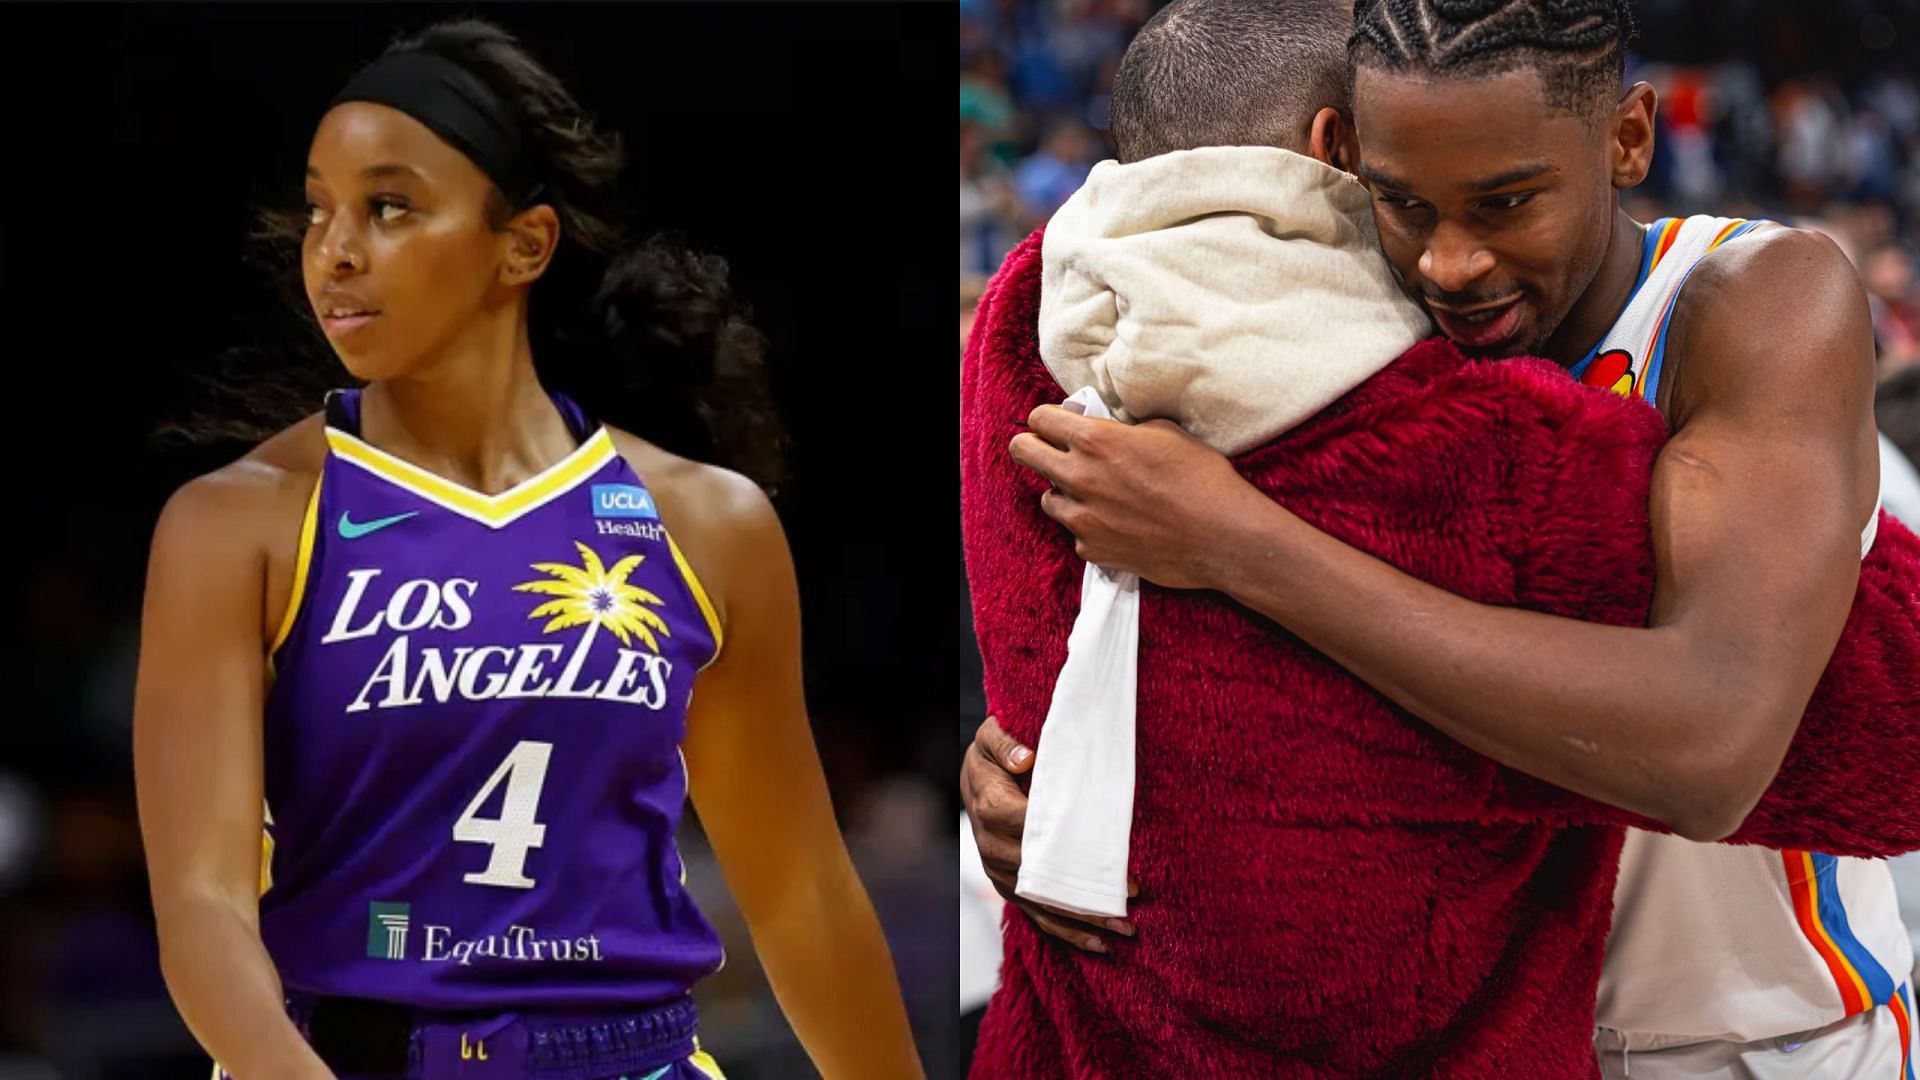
266	861
704	1062
266	849
301	562
699	596
491	510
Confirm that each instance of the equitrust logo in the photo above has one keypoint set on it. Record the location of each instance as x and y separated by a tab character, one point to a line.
387	925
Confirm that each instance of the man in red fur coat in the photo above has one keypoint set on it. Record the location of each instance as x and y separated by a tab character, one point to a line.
1328	889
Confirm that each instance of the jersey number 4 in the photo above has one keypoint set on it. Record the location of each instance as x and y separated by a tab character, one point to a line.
515	831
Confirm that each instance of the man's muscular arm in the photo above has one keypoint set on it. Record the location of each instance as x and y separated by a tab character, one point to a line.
1757	506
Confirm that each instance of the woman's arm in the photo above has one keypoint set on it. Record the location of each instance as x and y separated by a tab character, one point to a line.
756	781
197	768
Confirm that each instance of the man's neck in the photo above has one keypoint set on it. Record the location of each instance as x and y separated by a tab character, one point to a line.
1606	296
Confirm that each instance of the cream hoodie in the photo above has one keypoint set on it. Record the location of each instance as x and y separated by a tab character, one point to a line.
1237	291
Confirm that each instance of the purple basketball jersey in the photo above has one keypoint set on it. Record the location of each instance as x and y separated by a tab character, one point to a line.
473	768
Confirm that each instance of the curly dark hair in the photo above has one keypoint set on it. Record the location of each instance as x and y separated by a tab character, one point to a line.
648	336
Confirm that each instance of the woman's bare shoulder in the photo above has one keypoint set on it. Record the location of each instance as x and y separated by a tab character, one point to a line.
723	523
254	501
700	501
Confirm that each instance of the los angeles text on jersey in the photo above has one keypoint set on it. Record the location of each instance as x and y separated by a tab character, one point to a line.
412	670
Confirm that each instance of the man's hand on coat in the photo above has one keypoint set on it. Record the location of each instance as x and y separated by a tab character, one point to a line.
1148	499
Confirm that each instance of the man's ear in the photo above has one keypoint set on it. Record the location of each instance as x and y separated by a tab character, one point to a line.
1331	139
1630	138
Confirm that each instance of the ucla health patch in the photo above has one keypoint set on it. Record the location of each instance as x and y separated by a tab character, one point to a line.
623	501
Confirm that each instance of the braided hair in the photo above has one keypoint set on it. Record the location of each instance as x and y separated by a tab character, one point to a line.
645	334
1578	46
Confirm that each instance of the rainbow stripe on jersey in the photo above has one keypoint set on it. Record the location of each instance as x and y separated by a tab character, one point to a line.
1630	358
1716	941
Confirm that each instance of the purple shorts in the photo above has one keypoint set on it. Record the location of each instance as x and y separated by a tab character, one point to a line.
656	1043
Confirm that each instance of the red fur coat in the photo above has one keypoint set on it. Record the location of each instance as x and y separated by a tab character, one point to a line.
1328	886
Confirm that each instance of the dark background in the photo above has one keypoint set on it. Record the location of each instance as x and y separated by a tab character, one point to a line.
137	141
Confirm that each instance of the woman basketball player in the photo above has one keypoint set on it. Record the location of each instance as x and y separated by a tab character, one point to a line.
446	635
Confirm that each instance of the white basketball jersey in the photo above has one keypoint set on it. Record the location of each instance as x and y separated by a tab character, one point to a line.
1725	941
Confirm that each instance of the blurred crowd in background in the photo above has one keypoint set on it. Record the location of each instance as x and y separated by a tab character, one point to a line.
1803	114
1800	113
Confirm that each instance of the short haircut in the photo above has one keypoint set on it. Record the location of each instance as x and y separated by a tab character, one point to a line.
1229	73
1579	47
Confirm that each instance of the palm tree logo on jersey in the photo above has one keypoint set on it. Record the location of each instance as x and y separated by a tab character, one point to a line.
595	595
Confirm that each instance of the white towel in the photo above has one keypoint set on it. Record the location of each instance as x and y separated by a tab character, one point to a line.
1073	854
1236	291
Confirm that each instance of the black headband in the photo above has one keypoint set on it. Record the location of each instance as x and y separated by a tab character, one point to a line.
456	105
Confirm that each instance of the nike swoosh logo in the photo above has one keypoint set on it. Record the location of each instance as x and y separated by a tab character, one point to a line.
657	1073
350	530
